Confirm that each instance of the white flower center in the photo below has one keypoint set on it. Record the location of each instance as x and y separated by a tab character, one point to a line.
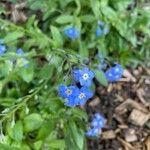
81	95
117	69
70	31
68	92
85	76
110	75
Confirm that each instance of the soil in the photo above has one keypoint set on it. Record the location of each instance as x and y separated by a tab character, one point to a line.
126	106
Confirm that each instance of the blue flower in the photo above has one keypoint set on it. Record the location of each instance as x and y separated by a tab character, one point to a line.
2	49
83	96
97	124
99	32
72	33
98	121
24	60
114	73
83	76
20	52
101	23
93	132
102	29
69	93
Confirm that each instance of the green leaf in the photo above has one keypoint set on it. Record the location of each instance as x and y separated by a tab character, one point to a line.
100	76
95	8
58	42
58	144
78	113
77	135
63	19
27	74
46	129
7	147
87	18
46	71
38	145
12	36
32	122
18	131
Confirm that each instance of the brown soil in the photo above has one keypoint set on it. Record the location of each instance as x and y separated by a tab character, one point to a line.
126	106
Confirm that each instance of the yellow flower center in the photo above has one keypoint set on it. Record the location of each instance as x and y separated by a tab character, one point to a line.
81	95
68	92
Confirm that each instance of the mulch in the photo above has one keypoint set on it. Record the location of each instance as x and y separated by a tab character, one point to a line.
126	107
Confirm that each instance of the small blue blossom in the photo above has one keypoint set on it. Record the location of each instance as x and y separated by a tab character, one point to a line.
93	132
102	29
98	121
20	52
2	49
69	93
84	76
72	33
97	124
83	96
101	23
74	96
99	31
114	73
24	60
102	64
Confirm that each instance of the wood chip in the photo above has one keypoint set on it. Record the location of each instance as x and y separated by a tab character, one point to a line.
147	143
110	88
126	145
123	108
94	102
109	135
129	76
140	94
130	135
138	118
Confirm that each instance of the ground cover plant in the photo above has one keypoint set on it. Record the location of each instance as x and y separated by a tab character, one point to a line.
54	57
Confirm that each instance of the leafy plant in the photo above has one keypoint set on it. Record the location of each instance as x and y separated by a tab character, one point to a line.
32	114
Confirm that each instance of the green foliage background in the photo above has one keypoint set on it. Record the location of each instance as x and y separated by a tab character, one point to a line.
32	115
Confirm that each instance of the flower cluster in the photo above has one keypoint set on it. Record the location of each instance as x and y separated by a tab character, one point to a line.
114	73
78	96
102	29
19	62
73	33
97	124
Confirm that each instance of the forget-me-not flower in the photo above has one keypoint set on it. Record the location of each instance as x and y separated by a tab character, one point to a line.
98	122
23	60
2	49
114	73
84	94
72	33
69	93
102	29
84	76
